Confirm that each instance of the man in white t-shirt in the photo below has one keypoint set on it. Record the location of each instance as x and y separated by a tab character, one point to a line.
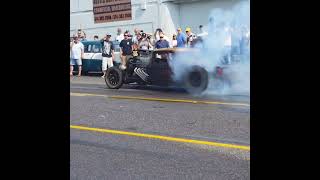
119	36
77	49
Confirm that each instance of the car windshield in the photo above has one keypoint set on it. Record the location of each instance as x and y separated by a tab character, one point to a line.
92	48
96	48
87	48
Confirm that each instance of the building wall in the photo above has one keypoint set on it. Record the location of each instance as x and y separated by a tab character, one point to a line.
166	14
169	18
197	13
81	16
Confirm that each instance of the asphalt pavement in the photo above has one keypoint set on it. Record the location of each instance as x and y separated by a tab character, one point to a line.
107	155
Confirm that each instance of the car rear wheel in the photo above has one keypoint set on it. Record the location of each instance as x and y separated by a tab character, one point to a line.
196	80
114	78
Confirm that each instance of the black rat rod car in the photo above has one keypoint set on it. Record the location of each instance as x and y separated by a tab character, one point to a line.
152	67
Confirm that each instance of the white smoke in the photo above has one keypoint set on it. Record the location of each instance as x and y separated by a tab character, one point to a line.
227	32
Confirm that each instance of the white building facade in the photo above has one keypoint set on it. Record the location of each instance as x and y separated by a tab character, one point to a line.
147	15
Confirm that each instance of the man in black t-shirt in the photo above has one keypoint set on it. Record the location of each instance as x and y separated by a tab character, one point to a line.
126	47
107	54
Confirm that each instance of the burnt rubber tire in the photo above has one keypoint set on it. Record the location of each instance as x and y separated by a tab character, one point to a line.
196	80
114	78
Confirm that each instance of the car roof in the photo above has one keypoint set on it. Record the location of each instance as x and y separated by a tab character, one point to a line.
172	50
96	42
90	42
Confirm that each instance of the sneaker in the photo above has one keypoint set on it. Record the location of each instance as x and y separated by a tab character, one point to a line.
102	76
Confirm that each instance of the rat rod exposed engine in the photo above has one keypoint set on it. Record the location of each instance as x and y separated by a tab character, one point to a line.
137	66
152	67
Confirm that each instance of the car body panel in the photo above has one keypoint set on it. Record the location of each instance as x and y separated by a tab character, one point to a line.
92	61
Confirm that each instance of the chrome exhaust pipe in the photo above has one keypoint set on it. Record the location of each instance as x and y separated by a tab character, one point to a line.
147	75
140	74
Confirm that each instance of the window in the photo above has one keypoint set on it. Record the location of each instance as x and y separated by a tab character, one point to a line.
92	48
87	48
96	48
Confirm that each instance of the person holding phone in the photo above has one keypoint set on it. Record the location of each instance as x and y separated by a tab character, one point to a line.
144	43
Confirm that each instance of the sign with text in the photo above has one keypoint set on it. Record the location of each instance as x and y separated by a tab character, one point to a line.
111	10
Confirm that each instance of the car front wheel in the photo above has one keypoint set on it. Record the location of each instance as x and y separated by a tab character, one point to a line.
114	78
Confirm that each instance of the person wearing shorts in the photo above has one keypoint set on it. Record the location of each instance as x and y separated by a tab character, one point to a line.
77	49
107	54
126	46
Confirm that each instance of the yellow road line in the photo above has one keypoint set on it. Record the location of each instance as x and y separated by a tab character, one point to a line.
162	99
177	100
165	138
86	94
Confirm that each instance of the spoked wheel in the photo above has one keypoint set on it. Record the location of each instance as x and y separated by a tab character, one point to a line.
114	78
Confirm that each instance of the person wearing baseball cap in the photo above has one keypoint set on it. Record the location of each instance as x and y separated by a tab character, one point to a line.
181	38
190	36
107	54
126	47
162	43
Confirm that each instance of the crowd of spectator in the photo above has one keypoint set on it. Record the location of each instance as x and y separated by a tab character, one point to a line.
130	44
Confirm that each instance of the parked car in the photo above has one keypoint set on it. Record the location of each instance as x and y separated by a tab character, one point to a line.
92	61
